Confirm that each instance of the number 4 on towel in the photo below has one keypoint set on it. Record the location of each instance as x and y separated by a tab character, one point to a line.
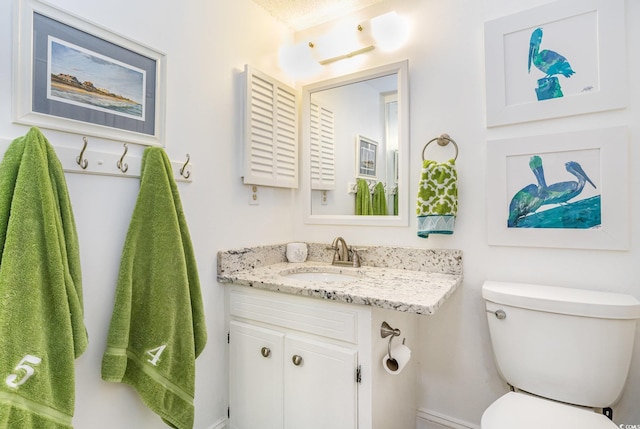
23	366
155	354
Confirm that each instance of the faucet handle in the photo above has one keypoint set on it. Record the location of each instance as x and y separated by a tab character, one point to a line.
335	252
355	257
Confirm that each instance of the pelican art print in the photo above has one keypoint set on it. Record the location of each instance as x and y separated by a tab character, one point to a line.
550	63
570	200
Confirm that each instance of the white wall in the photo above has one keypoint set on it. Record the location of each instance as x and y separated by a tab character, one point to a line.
458	378
207	44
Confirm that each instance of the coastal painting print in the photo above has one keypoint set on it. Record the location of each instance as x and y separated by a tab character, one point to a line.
75	76
554	190
85	78
558	59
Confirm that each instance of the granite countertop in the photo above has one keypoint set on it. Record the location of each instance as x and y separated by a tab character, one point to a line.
420	291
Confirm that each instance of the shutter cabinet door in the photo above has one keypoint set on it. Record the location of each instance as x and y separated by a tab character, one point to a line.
270	132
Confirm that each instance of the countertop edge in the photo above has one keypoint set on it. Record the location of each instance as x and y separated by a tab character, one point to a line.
443	287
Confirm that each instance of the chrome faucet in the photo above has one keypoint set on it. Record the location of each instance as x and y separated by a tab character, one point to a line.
342	255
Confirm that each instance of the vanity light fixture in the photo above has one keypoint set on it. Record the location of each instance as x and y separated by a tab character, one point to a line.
298	61
346	41
387	32
390	31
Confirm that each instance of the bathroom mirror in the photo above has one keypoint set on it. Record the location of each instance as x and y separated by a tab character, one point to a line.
356	126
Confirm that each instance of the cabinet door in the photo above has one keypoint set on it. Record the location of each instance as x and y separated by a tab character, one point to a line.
255	372
320	387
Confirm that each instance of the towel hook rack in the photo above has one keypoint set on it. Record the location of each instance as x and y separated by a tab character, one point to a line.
80	159
182	169
122	166
443	140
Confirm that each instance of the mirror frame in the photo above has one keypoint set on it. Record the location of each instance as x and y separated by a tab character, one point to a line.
402	219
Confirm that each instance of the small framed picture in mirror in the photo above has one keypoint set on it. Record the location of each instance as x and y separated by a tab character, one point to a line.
366	157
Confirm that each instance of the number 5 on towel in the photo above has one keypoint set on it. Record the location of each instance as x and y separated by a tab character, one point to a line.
23	365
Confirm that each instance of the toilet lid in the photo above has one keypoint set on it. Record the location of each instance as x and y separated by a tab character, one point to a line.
523	411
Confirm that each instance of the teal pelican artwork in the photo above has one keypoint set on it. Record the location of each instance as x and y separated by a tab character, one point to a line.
551	64
529	199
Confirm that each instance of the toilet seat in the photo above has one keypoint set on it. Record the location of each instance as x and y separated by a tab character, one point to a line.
524	411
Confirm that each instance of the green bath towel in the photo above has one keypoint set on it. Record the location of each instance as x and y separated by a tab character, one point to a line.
157	327
379	200
364	206
41	315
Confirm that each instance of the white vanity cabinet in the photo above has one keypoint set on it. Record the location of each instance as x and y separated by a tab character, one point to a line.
333	330
297	362
307	363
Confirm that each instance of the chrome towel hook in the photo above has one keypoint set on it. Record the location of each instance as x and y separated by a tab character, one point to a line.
81	160
122	166
182	169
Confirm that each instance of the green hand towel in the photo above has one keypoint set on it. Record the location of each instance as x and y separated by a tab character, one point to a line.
157	326
41	313
364	206
437	203
379	200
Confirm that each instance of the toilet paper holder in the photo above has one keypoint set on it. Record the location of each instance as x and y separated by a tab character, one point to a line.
387	331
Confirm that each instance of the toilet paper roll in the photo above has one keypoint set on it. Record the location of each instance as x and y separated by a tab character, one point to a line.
401	355
296	252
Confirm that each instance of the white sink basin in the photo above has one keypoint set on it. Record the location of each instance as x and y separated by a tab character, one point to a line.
320	276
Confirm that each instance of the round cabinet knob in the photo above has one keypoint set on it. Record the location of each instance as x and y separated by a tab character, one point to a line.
297	360
265	352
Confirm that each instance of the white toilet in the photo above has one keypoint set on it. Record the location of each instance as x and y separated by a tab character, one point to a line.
566	353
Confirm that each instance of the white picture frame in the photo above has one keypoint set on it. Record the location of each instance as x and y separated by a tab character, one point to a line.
587	35
604	155
366	158
52	46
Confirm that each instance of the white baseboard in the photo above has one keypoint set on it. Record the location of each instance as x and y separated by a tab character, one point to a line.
220	424
427	416
423	416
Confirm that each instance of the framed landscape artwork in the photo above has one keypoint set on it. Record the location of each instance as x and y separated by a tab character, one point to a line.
75	76
560	59
568	190
366	158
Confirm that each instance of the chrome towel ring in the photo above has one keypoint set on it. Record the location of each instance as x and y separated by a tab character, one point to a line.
442	140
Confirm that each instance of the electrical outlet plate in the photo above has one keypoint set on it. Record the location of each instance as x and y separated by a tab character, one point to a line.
253	197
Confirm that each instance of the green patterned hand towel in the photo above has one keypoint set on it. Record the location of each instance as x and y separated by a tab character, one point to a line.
42	330
157	327
437	203
379	200
364	206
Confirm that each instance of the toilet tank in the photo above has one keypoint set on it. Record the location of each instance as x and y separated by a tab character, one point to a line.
570	345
